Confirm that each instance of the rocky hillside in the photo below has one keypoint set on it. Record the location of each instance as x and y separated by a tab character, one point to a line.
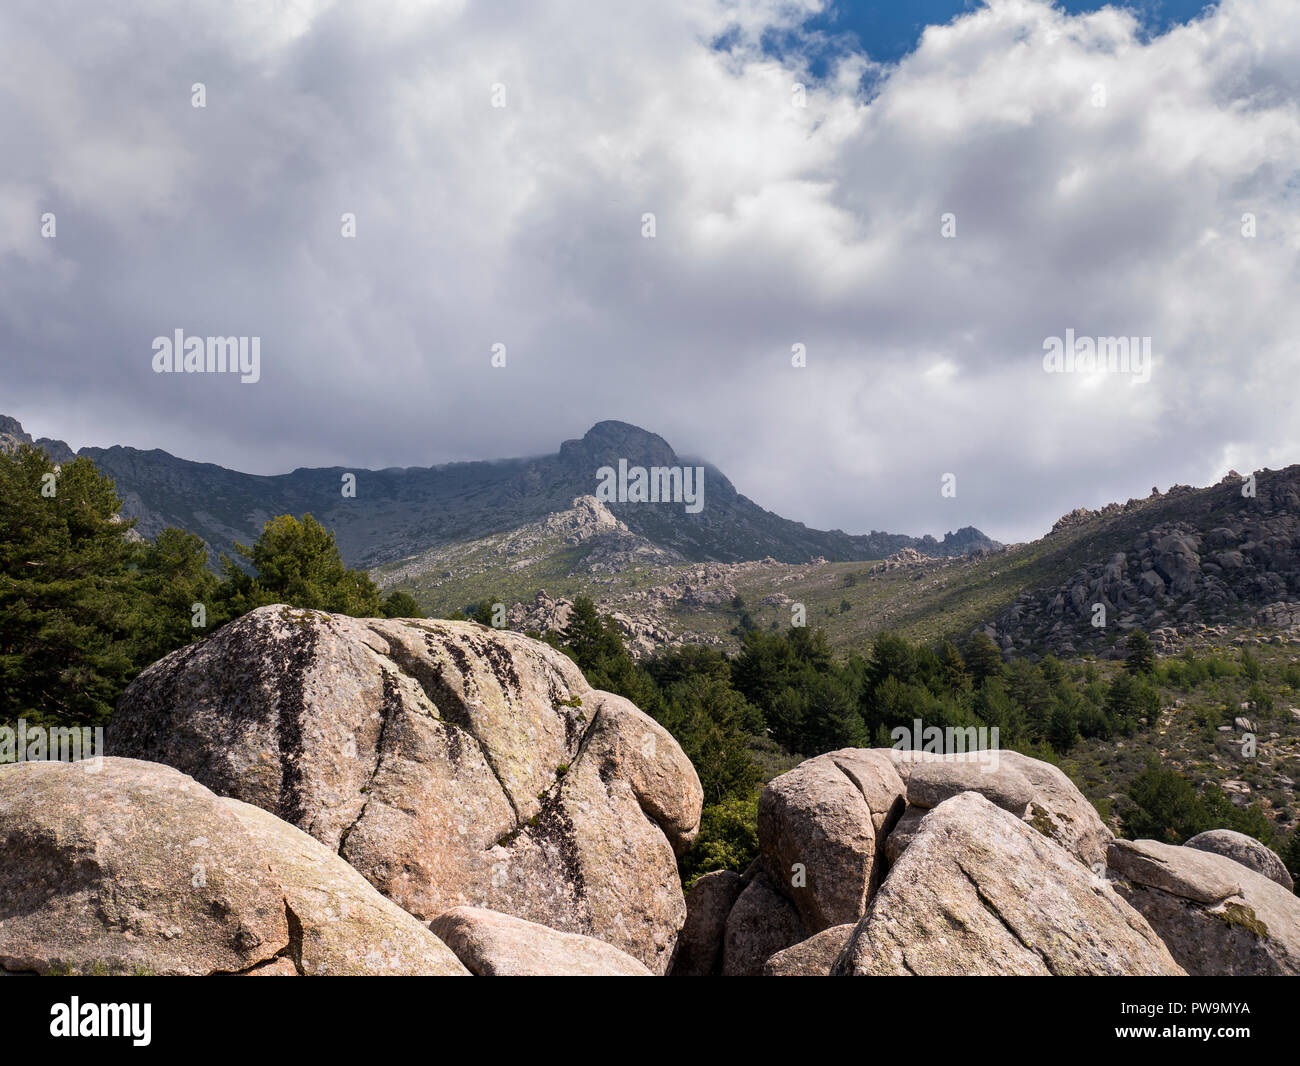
1191	566
1191	563
306	794
401	512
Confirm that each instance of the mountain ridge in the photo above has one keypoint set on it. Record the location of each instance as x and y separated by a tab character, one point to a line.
402	511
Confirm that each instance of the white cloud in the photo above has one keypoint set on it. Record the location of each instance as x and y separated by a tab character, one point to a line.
775	225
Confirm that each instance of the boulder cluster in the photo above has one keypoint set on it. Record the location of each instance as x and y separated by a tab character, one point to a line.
879	862
310	794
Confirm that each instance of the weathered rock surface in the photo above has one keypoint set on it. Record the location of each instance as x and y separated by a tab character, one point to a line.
1218	916
903	833
813	957
450	764
339	924
978	891
134	867
699	945
761	923
822	829
1246	850
1062	813
1056	808
493	944
930	783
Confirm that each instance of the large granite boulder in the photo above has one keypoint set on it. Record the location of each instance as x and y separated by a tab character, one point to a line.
1246	850
821	832
493	944
122	866
930	783
813	957
762	922
709	901
1218	916
339	925
1037	791
979	891
449	763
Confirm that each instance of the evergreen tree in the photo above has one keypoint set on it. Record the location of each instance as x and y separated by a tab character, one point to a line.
1141	658
67	606
1166	807
178	593
1127	700
953	668
983	658
298	563
401	605
1063	727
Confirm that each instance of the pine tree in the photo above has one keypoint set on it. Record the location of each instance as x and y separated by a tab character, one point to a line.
298	563
67	582
983	658
1141	658
401	605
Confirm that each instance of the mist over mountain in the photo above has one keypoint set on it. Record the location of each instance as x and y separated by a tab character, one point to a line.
398	512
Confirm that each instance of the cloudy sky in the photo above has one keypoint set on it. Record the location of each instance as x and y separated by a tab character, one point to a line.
1096	163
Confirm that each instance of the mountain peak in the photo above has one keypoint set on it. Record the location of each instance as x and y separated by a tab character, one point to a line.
609	441
12	435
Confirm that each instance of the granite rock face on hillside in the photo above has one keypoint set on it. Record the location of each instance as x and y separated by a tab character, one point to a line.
1191	559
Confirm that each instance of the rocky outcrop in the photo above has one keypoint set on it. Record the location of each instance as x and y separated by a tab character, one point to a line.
1034	790
822	829
906	559
813	957
709	901
1246	850
1175	565
339	925
830	830
1218	916
450	764
120	866
978	891
492	944
13	436
761	923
